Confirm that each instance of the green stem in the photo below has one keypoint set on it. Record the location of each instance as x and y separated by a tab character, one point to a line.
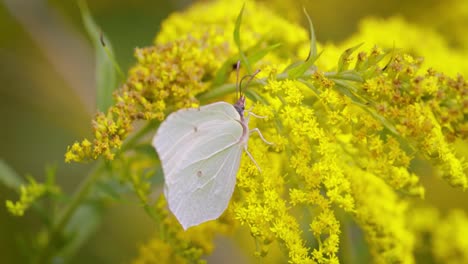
79	195
83	191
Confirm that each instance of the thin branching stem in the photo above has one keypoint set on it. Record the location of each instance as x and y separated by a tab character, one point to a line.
83	191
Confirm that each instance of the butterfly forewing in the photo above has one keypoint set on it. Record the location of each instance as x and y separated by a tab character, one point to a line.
200	154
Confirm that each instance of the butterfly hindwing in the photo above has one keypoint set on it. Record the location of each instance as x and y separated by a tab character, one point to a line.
195	202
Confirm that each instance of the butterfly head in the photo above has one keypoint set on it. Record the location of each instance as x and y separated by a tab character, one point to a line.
240	105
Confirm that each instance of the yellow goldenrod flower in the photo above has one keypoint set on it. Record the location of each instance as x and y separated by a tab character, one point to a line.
29	194
345	132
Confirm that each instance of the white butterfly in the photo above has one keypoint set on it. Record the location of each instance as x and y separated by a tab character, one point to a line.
200	151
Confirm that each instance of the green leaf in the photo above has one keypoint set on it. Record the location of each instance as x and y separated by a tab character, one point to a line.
111	189
392	57
261	53
343	62
296	70
292	66
350	75
368	66
223	73
237	40
350	91
106	80
313	40
373	60
9	177
255	97
82	225
237	28
300	69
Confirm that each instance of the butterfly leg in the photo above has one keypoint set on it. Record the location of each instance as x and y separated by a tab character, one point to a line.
253	160
261	136
253	114
257	116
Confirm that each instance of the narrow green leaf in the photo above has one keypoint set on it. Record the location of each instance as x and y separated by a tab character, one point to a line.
350	91
299	70
82	225
370	64
376	58
255	97
9	177
343	62
292	66
111	190
313	40
350	75
259	54
223	73
237	40
392	56
106	80
296	70
311	87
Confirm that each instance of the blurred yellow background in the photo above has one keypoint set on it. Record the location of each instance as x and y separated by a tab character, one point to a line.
47	94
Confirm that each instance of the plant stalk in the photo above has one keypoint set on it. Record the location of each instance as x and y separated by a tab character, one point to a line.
83	191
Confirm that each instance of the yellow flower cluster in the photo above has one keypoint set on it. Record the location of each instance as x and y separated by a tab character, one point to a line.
330	145
381	215
426	109
170	74
166	77
307	166
261	205
29	194
259	26
345	134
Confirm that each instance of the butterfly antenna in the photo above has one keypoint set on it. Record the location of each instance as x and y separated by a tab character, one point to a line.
250	76
237	80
